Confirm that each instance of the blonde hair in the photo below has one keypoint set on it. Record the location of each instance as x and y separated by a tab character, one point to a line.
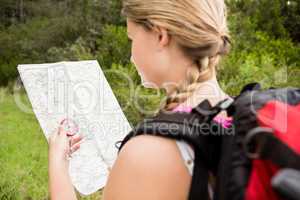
198	26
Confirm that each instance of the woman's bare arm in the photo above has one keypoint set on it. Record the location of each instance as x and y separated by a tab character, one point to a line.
60	186
148	168
60	146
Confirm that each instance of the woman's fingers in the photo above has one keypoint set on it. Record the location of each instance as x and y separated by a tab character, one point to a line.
61	131
62	143
75	142
74	148
75	139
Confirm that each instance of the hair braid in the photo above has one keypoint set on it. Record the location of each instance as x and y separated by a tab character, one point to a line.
195	76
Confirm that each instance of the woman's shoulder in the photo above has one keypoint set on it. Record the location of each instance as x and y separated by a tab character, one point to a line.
146	164
158	152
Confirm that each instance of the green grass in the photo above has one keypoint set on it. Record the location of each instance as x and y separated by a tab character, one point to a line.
23	153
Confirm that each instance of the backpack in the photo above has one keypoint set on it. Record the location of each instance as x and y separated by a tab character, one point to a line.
257	157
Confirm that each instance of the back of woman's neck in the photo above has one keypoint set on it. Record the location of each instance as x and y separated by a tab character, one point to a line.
209	90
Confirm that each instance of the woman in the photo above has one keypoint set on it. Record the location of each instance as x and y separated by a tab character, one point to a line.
176	45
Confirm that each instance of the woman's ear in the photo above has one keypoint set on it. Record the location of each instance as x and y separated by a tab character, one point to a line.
163	38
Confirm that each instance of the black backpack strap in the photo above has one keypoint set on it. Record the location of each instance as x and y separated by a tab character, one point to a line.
179	126
191	128
185	127
251	87
271	148
199	185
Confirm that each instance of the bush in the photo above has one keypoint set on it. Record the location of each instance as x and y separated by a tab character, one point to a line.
113	46
268	60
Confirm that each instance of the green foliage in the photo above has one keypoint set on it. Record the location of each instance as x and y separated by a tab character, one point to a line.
261	49
113	46
272	62
72	52
292	19
42	31
279	18
27	43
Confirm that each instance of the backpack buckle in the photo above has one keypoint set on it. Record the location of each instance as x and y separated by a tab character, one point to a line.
254	140
225	104
209	112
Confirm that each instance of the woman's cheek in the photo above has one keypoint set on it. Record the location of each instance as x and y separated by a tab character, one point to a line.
146	82
144	62
137	55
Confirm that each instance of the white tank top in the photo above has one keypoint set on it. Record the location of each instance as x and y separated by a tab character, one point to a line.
187	154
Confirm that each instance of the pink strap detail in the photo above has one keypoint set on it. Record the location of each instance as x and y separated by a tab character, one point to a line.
226	122
181	108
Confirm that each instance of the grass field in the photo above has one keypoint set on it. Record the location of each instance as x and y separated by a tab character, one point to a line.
23	153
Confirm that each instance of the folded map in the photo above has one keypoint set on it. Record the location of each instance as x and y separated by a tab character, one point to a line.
78	93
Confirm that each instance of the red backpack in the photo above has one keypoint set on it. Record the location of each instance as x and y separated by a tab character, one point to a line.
272	144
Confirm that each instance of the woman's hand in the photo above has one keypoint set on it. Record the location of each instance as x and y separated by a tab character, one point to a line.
61	147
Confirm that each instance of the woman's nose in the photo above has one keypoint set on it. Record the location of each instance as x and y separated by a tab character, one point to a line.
131	59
